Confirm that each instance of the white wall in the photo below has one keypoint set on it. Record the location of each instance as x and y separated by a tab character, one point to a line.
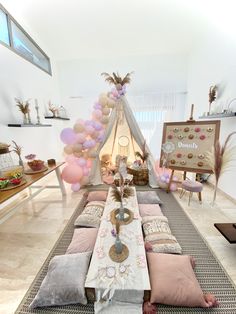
19	78
152	75
214	63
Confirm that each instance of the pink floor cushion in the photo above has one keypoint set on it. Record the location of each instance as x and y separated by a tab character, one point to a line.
192	186
83	240
173	281
150	210
108	179
97	196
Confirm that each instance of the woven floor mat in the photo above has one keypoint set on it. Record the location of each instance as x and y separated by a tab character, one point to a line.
210	274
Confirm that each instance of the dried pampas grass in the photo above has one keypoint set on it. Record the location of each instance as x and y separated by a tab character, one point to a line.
220	159
116	79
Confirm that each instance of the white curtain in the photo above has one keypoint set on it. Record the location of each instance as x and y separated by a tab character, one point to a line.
151	110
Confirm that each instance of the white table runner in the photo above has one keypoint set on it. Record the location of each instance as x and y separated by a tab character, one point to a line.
126	281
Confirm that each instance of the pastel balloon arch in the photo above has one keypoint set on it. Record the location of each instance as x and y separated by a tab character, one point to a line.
82	140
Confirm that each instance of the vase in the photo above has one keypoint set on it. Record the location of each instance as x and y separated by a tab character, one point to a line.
121	215
25	118
118	245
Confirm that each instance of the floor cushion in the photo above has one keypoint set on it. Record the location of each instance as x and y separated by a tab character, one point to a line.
158	235
150	210
64	282
83	240
91	215
97	196
173	281
148	197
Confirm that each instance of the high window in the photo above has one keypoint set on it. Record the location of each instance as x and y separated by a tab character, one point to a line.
13	36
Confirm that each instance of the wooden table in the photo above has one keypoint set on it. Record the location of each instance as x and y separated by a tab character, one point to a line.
228	230
131	277
31	179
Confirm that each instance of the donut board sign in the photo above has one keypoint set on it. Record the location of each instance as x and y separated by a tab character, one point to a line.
184	144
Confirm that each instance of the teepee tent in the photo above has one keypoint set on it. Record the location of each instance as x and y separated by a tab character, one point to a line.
122	137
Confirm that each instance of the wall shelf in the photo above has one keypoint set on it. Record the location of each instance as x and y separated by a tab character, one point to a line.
18	125
219	115
56	118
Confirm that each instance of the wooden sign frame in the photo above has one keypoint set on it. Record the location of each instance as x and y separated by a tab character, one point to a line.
189	138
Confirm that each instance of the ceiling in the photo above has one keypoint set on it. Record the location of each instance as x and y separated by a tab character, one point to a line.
72	29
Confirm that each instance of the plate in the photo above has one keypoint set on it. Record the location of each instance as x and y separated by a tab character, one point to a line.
128	214
13	186
30	171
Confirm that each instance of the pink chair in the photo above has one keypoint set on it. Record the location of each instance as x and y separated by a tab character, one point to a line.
192	186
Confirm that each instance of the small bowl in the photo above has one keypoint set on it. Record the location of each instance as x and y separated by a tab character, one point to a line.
36	165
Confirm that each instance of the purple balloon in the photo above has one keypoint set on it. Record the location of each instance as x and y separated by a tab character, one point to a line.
100	138
97	106
86	144
68	136
97	126
88	122
82	162
75	187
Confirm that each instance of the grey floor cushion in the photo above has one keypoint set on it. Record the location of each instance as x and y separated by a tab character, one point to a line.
64	282
148	197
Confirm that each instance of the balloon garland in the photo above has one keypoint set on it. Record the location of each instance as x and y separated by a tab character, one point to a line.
81	141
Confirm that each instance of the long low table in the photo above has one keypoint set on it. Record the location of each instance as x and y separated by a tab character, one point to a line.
31	179
126	281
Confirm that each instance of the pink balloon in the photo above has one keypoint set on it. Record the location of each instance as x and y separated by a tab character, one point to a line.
75	187
70	159
173	187
82	162
89	163
89	129
97	114
85	171
68	136
80	137
72	173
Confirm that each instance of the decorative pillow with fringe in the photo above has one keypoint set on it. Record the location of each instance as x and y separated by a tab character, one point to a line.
91	215
158	235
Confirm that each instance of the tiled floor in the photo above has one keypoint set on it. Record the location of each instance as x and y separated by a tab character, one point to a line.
27	237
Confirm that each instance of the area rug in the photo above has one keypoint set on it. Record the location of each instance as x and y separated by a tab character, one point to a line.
210	274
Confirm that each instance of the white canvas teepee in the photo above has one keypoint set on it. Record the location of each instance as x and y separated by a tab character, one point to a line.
122	137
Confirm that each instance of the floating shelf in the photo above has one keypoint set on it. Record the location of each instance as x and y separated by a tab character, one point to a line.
18	125
219	115
57	118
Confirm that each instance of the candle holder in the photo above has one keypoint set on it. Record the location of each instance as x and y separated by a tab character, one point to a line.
37	110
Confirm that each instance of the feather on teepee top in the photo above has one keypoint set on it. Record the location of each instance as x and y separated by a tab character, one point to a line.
116	79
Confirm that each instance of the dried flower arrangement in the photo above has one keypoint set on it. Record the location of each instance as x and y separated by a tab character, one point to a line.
18	150
123	192
220	159
23	106
144	155
116	79
212	96
54	110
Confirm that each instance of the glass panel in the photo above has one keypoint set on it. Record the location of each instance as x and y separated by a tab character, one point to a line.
4	34
23	45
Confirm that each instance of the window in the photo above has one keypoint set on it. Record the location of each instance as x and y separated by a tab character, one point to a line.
4	34
14	36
